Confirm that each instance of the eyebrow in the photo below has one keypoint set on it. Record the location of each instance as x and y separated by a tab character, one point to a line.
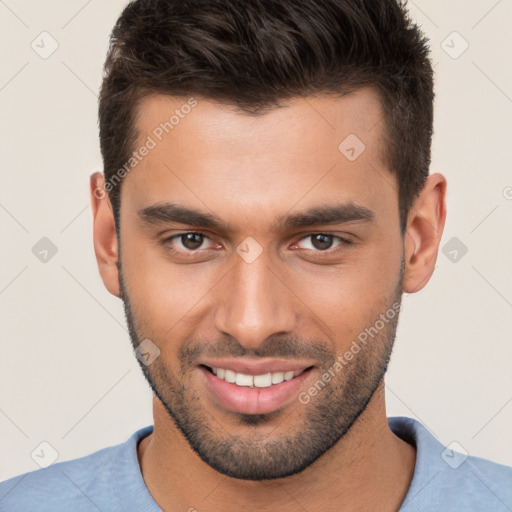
164	213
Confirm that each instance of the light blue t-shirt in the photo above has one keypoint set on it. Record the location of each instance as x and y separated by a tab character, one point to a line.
110	480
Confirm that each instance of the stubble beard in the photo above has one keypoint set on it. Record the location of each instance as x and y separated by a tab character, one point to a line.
326	419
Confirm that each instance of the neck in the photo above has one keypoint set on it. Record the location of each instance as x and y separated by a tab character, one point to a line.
368	469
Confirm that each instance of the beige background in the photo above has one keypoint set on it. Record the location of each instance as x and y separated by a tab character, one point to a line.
67	373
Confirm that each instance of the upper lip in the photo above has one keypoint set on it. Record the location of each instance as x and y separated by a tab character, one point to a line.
257	367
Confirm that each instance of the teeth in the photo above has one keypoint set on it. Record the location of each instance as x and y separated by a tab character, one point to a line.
229	376
263	381
244	380
277	377
259	381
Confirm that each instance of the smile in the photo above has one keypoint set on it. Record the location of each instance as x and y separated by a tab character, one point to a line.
258	392
264	380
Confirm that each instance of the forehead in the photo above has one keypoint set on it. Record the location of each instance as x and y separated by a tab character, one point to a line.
204	154
325	117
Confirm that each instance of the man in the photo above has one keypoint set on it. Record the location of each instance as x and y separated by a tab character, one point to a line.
265	202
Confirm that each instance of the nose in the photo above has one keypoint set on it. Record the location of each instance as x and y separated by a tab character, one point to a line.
254	303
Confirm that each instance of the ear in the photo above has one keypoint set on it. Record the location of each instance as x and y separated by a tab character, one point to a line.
104	234
425	224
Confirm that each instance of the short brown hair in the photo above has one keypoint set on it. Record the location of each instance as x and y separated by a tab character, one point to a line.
254	53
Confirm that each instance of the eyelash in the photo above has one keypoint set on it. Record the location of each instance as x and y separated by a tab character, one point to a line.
342	241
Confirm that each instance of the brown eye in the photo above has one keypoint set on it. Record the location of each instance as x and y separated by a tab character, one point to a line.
192	241
321	241
186	242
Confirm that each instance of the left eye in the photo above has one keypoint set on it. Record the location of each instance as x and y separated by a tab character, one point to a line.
323	241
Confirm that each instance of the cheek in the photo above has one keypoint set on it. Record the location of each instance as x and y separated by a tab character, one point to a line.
166	297
351	296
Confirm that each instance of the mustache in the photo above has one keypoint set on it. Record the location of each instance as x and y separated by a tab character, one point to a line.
274	347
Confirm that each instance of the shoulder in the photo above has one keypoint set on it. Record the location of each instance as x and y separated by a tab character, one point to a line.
59	486
448	478
477	484
82	484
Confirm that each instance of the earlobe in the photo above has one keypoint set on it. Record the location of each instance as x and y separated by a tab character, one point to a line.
104	234
425	226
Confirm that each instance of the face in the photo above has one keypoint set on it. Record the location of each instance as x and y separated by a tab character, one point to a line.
257	249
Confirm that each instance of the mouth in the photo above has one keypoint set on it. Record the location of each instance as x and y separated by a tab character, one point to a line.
253	393
263	380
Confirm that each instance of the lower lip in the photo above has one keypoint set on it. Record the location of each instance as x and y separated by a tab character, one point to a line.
248	400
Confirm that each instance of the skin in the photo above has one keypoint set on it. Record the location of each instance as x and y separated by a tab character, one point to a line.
284	161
